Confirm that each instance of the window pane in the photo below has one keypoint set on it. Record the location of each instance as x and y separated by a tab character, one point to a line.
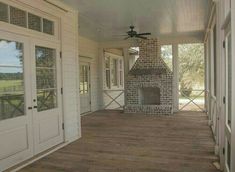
48	27
166	54
45	57
86	78
34	22
46	78
229	106
107	62
3	12
47	99
11	53
81	79
17	17
114	72
107	73
11	80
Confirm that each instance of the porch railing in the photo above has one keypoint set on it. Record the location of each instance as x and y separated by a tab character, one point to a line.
196	99
113	96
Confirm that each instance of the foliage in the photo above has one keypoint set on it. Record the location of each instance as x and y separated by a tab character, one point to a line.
191	73
166	54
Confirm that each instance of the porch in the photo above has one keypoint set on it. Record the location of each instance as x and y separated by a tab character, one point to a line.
114	141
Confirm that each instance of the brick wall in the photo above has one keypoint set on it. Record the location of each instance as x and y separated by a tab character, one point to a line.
149	71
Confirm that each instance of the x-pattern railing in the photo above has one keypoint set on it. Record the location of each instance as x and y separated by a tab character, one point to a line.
113	99
192	100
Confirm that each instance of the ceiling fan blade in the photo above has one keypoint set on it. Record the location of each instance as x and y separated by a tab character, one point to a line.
126	38
144	34
142	37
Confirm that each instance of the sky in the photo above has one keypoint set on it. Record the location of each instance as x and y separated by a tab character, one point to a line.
9	56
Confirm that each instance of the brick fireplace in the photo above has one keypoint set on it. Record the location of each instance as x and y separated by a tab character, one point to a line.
149	82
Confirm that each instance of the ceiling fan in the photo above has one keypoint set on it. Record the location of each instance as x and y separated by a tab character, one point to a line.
132	33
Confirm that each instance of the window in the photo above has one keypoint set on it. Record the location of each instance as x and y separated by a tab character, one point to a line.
48	27
11	79
167	56
120	73
107	71
17	17
34	22
113	72
25	19
3	12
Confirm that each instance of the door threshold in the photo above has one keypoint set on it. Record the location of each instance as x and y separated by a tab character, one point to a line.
86	113
36	158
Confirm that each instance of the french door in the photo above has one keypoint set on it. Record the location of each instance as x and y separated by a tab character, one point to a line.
16	141
85	97
30	99
229	100
46	95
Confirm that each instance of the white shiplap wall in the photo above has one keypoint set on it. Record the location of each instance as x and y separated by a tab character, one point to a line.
69	44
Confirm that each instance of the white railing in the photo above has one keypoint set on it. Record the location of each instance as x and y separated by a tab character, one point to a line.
192	100
113	98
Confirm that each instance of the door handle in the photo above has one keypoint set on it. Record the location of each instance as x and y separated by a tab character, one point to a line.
30	108
35	107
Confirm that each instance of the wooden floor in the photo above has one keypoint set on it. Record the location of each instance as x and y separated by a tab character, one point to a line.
116	142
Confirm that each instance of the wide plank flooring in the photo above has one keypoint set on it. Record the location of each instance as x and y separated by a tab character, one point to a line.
116	142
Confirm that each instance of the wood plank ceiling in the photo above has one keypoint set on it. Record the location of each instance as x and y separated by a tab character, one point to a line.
107	19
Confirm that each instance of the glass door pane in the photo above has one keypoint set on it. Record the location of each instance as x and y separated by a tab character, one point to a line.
12	103
46	78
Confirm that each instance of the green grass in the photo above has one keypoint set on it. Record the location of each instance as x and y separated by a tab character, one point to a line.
10	83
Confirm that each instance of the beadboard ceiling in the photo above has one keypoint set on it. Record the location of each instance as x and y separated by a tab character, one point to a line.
107	19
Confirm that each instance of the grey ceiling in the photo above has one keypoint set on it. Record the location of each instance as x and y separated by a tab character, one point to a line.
107	19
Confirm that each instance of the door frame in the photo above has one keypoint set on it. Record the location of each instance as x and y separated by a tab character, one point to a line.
83	62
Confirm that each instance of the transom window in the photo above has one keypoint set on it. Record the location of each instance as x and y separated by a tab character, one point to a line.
25	19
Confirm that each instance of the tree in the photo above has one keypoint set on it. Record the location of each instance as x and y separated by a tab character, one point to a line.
191	73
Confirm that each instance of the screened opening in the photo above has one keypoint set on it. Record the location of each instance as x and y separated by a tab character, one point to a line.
133	56
191	77
167	56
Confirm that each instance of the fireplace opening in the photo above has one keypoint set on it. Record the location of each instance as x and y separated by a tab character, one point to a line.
149	96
